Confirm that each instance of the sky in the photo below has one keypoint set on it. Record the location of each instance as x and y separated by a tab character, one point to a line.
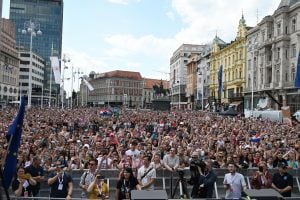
141	35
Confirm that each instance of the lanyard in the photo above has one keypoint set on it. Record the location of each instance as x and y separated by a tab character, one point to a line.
99	189
62	179
125	187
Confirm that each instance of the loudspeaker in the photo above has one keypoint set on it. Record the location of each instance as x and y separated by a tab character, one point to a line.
148	194
264	194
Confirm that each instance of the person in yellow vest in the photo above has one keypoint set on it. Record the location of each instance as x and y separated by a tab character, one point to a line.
98	188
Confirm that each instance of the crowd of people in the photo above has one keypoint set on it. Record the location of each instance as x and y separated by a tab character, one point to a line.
138	143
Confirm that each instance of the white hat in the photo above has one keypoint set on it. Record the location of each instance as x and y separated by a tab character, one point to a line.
86	145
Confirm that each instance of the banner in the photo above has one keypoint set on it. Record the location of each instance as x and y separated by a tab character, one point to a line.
220	85
88	85
55	68
297	78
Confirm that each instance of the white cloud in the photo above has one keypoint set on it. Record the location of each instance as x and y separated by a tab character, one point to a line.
170	15
124	2
204	18
201	18
148	45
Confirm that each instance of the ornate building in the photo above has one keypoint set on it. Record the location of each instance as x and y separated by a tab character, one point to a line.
272	52
232	59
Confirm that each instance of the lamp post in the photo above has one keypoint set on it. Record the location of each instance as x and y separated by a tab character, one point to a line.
78	74
253	46
108	93
34	29
65	60
202	87
179	98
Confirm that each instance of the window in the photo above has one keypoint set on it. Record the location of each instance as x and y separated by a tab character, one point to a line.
293	51
278	53
294	24
278	27
293	72
277	75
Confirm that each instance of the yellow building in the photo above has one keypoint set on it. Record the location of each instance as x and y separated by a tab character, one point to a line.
231	56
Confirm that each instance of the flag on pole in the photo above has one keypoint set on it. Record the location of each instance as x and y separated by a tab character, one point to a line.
55	68
297	78
88	85
220	74
14	138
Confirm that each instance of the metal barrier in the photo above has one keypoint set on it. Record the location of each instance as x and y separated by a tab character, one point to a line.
163	181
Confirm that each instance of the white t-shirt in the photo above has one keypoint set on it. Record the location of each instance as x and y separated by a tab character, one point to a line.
102	162
237	183
151	174
135	154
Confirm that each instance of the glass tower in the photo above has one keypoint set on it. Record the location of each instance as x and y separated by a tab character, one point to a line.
49	15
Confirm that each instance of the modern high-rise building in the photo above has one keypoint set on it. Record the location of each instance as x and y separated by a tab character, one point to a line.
47	16
178	73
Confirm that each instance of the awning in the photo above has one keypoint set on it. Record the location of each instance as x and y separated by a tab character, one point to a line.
236	103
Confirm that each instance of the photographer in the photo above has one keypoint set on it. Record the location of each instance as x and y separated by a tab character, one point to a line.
262	178
98	188
202	178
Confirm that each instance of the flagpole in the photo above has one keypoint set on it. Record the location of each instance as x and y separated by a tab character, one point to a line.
50	79
2	178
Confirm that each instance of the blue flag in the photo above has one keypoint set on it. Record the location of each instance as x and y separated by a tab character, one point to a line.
14	138
297	78
220	85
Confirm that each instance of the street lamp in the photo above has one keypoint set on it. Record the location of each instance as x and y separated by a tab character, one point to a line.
34	29
78	74
108	82
253	47
65	60
179	98
202	87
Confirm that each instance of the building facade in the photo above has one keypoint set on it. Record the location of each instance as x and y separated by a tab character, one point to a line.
203	79
9	63
114	88
49	15
178	73
191	83
228	66
35	72
272	54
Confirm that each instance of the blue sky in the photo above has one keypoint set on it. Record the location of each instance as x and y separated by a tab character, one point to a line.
141	35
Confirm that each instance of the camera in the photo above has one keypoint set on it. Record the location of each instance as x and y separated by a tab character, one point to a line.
195	164
180	173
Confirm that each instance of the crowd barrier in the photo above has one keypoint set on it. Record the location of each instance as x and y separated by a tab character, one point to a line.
163	182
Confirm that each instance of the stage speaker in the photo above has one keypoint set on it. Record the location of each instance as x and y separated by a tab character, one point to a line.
148	194
264	194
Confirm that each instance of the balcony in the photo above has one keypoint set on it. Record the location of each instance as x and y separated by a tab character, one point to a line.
235	95
267	85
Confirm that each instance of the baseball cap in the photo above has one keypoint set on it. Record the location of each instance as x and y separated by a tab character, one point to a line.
86	145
